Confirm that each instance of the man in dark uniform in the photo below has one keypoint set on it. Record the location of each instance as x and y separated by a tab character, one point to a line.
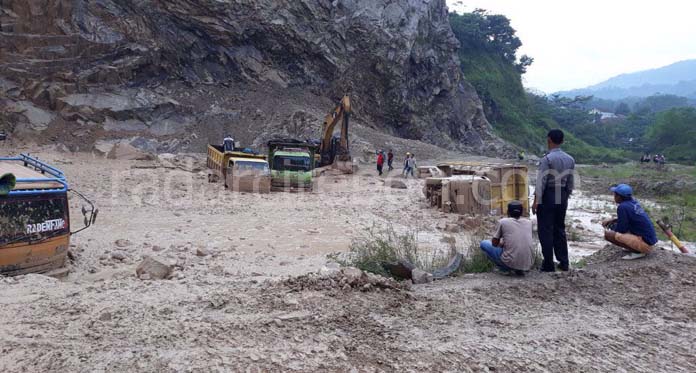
555	182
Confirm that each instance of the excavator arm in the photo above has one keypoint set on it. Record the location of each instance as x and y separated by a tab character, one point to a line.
341	114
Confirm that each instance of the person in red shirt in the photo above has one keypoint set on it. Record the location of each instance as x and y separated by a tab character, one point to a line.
380	162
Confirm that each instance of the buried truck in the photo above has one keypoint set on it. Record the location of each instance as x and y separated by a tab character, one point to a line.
292	164
35	225
240	171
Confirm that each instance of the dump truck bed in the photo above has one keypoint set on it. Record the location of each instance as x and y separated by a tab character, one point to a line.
21	172
32	175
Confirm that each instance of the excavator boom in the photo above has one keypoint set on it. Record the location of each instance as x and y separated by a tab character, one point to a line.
337	151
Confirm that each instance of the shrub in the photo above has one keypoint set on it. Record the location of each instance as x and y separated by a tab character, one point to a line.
378	245
475	260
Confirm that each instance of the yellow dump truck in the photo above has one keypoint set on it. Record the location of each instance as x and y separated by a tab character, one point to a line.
35	217
240	171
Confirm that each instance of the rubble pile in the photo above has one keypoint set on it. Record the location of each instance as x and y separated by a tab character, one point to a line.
346	279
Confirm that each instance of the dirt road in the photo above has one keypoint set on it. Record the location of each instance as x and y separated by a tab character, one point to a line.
236	304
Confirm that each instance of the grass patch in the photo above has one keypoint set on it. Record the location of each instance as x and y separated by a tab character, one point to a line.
378	245
679	211
580	263
633	170
475	260
678	206
618	172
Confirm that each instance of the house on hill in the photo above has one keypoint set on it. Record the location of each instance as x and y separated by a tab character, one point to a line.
602	116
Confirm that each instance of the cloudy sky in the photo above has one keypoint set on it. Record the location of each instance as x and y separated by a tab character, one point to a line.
580	43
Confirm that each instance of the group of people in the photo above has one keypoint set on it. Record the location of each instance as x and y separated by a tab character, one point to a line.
512	247
658	159
409	163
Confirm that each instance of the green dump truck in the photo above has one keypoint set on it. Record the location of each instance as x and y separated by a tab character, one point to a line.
292	164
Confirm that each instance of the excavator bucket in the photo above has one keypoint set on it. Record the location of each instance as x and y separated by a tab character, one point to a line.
346	167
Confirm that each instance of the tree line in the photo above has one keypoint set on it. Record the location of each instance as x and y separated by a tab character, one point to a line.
489	60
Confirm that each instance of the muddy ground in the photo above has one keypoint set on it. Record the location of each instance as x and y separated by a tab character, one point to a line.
240	298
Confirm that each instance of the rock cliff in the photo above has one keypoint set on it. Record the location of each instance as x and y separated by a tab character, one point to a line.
165	73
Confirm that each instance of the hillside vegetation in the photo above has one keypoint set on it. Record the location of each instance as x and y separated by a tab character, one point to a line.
489	61
623	129
660	124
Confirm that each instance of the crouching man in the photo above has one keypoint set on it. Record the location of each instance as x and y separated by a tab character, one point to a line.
632	229
511	248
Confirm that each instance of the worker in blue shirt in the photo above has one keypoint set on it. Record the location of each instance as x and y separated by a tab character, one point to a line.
554	185
632	229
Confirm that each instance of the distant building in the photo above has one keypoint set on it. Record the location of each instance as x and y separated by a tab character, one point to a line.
602	116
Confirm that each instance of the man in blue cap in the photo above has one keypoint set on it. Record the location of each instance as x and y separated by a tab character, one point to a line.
632	229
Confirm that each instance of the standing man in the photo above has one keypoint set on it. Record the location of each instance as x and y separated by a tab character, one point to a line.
554	185
405	171
380	162
390	160
228	143
411	165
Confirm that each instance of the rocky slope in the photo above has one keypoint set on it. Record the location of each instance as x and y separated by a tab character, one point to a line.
172	74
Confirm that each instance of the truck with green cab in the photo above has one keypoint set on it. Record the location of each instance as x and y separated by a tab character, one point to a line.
292	164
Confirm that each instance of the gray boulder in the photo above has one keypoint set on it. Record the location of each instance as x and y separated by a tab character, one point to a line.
420	277
153	269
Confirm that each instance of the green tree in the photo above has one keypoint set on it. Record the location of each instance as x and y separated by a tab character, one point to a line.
674	134
622	109
480	30
658	103
525	62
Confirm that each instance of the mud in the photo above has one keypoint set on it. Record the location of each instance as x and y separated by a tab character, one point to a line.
252	289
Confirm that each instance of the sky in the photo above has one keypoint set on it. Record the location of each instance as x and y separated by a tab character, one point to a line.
579	43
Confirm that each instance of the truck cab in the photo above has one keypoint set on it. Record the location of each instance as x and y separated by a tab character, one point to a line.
34	216
248	175
239	170
292	164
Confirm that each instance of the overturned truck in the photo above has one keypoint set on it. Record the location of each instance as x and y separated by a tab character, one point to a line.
478	188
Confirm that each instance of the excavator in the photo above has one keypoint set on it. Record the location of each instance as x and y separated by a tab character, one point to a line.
334	151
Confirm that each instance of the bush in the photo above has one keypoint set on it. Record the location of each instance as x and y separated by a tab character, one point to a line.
475	260
380	245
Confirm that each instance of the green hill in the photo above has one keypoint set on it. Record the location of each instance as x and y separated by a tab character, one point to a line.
489	61
676	79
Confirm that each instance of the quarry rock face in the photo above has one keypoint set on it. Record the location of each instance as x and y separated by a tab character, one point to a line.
114	69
